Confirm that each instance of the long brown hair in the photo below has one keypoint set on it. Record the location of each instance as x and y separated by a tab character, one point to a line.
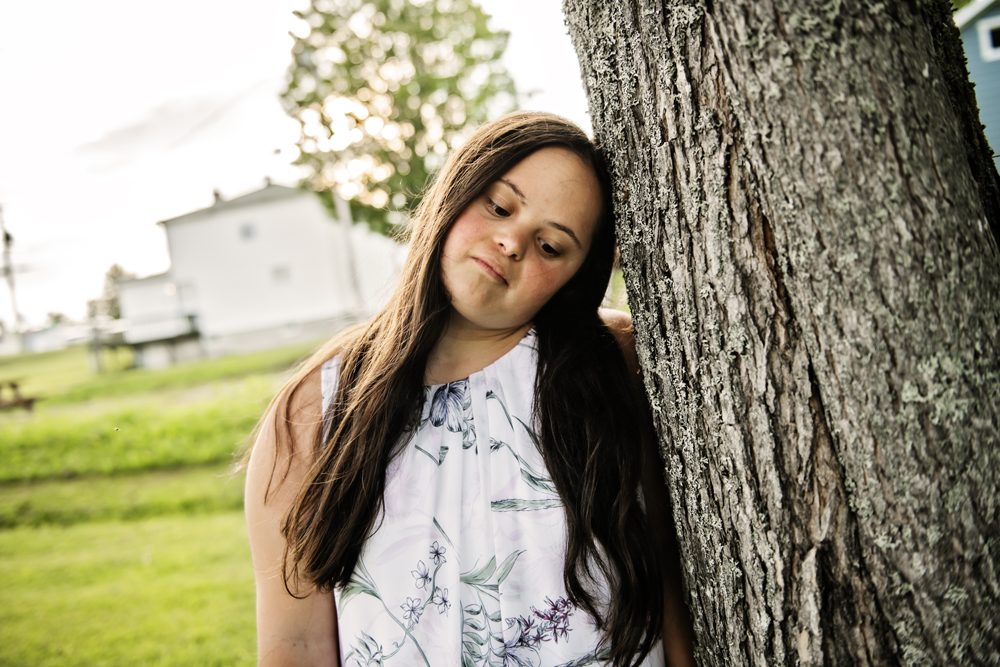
589	410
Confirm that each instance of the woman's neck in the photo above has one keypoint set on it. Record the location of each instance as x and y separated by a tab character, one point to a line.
464	348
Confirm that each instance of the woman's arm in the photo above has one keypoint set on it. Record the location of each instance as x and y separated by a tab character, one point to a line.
290	631
678	642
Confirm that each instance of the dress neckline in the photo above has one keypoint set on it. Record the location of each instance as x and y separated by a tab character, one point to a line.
527	334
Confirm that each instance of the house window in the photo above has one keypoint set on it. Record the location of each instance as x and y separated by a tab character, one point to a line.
989	38
280	274
247	231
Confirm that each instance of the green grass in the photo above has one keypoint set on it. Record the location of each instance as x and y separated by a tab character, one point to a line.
189	490
47	373
121	533
130	439
64	376
167	591
617	296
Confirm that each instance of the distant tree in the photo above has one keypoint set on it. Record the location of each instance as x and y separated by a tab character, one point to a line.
109	303
55	319
382	87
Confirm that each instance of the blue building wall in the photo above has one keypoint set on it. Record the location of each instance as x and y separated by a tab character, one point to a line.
986	77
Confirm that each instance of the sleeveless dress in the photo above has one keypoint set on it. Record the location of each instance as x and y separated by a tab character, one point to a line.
466	566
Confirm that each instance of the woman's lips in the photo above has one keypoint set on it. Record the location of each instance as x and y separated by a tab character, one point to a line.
491	270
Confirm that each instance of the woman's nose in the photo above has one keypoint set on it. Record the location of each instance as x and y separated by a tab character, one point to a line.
511	242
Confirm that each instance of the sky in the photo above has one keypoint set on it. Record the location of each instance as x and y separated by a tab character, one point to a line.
119	113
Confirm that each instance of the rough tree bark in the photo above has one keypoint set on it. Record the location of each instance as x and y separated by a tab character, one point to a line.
805	200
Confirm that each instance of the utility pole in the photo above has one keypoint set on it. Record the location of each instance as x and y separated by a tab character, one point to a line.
8	272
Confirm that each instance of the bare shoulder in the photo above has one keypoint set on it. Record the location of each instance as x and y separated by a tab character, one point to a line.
305	407
283	449
620	324
288	429
290	629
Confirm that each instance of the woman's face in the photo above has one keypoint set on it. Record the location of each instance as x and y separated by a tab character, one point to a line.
520	241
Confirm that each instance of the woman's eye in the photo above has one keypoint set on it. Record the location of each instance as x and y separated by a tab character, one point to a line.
549	250
496	208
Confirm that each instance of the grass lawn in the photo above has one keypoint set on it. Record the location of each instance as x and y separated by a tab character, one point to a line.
64	376
121	532
187	490
144	432
174	590
617	296
126	441
47	373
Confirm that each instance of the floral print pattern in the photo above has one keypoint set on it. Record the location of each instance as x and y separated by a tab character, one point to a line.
440	598
449	406
437	553
421	575
412	610
548	624
465	564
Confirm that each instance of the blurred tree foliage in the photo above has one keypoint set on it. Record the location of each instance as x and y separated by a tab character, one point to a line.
382	88
109	304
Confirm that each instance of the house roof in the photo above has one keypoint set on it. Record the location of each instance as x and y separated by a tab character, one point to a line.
966	14
154	276
270	192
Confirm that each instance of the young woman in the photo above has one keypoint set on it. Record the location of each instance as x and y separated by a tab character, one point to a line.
468	478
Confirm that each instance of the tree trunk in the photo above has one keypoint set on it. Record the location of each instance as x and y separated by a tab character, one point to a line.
805	200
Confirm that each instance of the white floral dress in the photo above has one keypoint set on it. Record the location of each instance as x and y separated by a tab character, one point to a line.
466	567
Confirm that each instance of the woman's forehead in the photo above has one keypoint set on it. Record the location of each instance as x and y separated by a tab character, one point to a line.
555	181
550	166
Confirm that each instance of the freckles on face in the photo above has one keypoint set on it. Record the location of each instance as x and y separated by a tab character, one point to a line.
516	245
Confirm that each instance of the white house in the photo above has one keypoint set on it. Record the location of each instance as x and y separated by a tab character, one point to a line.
264	269
979	24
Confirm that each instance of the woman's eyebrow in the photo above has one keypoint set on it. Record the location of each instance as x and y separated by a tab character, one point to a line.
569	232
517	190
558	225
